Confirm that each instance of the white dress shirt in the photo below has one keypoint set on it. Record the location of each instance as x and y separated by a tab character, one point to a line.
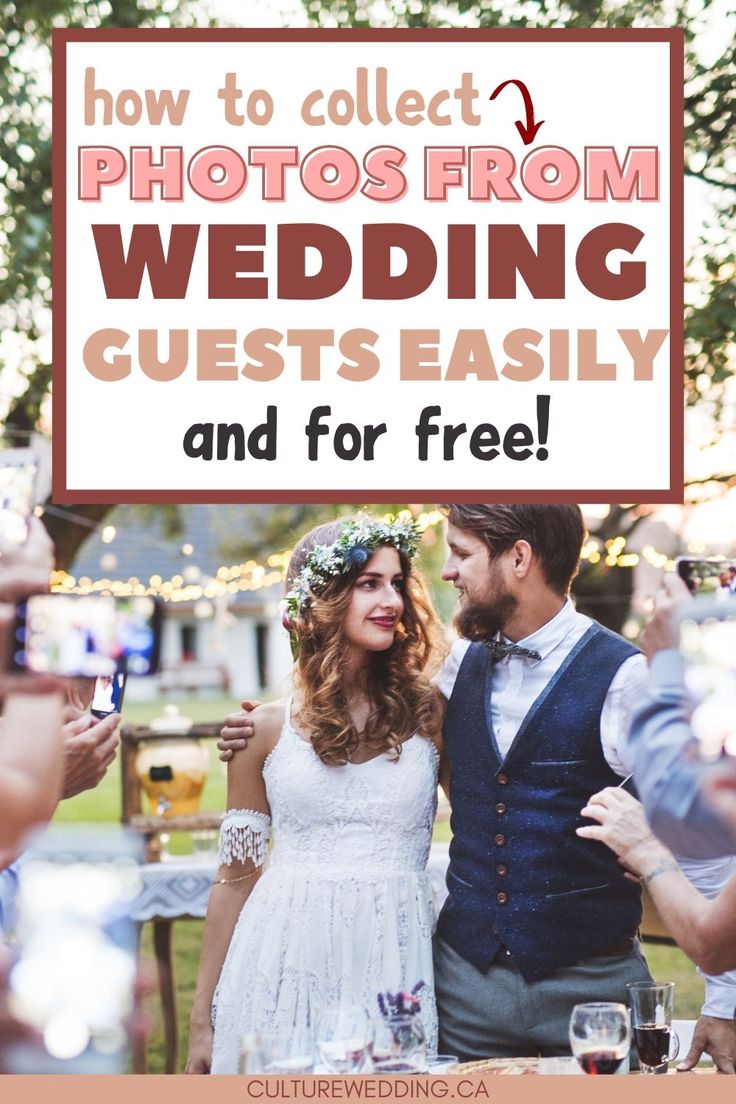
516	684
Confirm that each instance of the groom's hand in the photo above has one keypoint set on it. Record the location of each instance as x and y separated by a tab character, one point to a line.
236	732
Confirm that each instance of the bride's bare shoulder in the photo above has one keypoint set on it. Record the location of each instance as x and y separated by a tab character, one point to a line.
268	720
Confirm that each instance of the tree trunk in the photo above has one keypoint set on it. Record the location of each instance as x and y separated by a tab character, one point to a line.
604	593
69	534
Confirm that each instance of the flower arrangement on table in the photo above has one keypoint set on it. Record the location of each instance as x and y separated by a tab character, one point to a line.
391	1005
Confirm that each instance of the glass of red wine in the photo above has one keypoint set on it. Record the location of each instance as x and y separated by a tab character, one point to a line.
651	1022
600	1036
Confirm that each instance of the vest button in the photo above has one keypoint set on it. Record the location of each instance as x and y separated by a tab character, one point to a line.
502	778
501	898
494	929
500	808
502	869
499	840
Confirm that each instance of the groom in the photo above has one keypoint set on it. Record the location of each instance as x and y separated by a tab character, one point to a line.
538	717
539	701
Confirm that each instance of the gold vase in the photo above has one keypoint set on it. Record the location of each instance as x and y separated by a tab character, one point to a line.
173	774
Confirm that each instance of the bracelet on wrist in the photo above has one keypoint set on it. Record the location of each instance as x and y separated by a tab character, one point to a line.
663	868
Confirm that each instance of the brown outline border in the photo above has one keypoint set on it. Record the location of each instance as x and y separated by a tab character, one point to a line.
675	37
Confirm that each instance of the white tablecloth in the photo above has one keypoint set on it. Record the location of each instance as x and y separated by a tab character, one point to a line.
179	888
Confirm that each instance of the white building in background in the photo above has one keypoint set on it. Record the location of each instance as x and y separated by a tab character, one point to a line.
238	647
233	644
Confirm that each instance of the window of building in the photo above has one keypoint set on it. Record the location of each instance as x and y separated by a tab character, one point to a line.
188	643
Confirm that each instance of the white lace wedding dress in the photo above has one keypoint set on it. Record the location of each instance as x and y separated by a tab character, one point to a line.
343	910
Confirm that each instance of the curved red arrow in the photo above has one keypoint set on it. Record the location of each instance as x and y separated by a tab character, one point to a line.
529	128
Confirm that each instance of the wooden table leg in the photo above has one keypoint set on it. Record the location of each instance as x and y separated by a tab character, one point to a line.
139	1052
162	943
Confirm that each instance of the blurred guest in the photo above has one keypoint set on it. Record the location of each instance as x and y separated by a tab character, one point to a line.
88	748
11	1030
689	805
719	789
63	760
706	930
30	785
670	778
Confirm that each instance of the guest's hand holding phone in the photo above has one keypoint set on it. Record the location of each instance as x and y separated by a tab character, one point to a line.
90	746
663	631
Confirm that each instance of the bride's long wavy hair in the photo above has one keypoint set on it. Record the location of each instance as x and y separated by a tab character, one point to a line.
401	696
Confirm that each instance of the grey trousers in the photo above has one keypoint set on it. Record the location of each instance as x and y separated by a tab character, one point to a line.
499	1015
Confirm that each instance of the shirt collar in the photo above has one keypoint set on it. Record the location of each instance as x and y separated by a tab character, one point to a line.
546	638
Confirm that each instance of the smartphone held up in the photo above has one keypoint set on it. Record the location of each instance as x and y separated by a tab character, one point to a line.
714	577
108	695
89	636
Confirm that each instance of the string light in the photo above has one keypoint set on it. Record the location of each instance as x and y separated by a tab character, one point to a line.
191	587
253	576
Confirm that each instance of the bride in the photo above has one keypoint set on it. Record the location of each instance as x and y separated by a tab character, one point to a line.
343	777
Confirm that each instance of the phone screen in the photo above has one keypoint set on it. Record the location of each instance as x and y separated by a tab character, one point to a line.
108	695
89	636
715	579
18	471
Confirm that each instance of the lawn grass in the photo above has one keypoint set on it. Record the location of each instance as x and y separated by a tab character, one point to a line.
104	804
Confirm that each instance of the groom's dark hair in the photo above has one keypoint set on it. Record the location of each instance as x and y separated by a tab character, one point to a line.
555	533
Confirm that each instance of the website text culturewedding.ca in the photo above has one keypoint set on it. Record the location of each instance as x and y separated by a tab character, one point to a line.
352	1088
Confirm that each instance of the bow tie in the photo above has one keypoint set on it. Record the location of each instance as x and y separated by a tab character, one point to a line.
499	650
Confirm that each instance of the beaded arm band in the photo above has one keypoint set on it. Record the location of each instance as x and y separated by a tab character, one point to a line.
244	835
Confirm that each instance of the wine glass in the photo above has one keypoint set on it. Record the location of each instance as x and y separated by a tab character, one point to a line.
399	1045
600	1036
343	1034
288	1052
651	1021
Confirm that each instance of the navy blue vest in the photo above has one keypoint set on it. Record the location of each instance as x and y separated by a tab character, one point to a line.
519	877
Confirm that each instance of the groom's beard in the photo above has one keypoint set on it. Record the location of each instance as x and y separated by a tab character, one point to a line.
483	618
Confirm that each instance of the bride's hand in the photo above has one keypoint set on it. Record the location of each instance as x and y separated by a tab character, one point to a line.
200	1050
622	826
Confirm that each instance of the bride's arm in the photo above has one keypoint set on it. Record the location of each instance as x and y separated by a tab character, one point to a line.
243	840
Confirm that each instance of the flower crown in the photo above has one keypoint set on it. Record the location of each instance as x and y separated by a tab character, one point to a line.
354	547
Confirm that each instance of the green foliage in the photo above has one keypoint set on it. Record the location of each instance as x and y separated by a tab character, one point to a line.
710	115
25	187
25	167
268	529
